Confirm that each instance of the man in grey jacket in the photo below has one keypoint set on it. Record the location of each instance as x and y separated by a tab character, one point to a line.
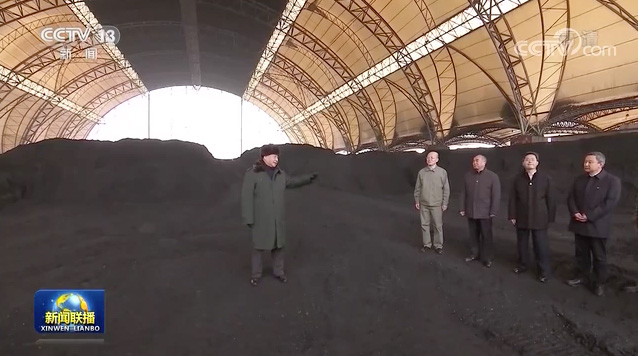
432	192
480	199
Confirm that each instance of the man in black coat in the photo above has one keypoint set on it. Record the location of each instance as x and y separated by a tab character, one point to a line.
531	207
591	202
480	198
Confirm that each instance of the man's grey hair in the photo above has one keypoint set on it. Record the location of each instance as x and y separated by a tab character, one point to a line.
601	158
482	157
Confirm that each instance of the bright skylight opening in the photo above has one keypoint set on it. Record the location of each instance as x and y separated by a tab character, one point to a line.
210	117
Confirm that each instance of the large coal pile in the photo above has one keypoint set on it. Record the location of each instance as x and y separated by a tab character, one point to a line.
128	170
152	170
156	225
394	173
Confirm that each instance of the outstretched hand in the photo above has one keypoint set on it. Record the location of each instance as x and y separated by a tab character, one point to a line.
313	176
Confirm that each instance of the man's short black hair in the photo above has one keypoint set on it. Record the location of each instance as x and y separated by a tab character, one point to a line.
533	154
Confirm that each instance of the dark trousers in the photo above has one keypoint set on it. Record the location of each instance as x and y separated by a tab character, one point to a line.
540	246
277	255
481	238
591	252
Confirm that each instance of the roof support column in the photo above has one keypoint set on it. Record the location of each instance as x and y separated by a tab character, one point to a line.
189	23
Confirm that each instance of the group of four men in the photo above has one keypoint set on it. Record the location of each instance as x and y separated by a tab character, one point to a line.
531	208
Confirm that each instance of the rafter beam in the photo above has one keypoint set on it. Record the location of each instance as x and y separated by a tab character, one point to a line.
43	114
190	26
81	10
22	83
459	25
390	40
291	11
502	37
615	7
588	112
287	95
69	129
363	103
312	86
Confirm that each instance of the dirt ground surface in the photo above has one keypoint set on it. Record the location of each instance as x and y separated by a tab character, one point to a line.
156	224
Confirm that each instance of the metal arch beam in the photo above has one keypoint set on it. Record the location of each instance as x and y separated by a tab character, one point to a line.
10	129
313	7
21	9
473	138
76	126
571	127
15	105
281	113
327	71
31	26
324	53
418	143
383	32
503	93
593	111
481	133
503	40
268	93
299	75
615	7
286	94
447	83
275	116
555	17
620	125
95	103
87	77
189	24
387	116
28	68
44	58
408	96
313	124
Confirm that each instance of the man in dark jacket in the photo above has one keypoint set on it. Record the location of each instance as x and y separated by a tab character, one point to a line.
591	202
480	203
531	207
263	209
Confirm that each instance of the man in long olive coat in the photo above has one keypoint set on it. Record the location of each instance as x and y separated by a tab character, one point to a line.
263	209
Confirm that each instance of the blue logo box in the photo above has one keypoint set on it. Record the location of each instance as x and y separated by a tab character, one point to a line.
68	311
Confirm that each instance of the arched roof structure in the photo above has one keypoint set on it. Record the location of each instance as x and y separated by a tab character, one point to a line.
340	74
